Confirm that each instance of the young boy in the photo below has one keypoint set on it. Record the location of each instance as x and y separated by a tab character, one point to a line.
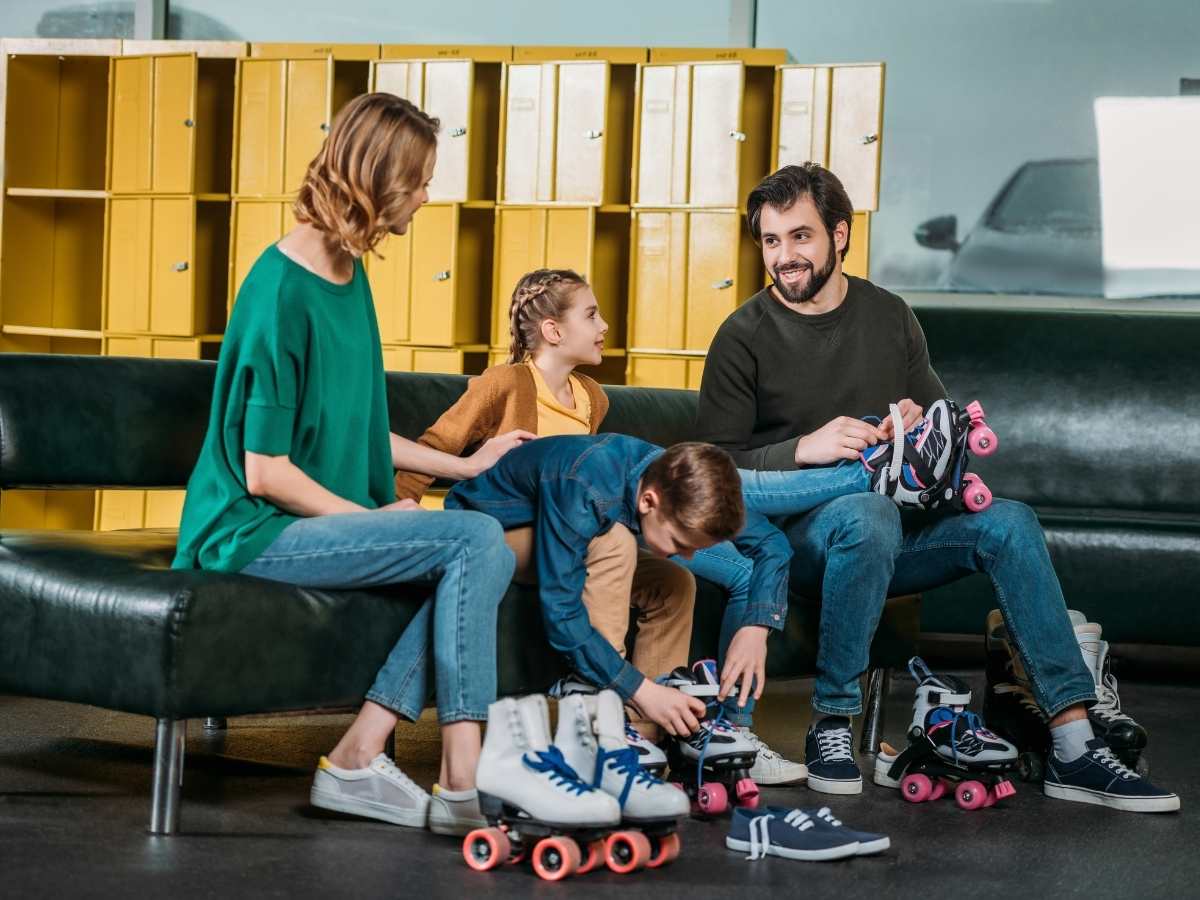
575	491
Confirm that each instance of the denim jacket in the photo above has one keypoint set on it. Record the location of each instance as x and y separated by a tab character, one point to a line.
572	489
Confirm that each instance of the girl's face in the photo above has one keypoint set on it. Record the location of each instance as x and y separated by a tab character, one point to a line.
578	337
416	199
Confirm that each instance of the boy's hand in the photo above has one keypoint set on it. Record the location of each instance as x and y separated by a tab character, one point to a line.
909	412
746	659
673	710
490	452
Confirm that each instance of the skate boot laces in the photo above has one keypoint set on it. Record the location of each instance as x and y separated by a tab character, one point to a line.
552	764
1108	701
625	763
760	834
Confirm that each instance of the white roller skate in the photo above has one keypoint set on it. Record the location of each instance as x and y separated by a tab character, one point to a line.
949	748
650	756
713	763
532	797
591	736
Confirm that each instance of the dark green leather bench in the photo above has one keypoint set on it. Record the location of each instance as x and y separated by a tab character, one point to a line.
98	618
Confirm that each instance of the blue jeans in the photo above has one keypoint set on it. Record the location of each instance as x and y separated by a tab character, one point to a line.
462	552
772	494
855	551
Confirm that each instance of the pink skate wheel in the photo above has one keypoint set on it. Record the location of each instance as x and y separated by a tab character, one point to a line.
712	798
982	441
667	851
627	851
970	795
746	792
939	789
976	496
916	788
486	848
554	858
595	858
1003	789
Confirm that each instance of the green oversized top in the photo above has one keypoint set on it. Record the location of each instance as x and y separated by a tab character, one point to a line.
301	374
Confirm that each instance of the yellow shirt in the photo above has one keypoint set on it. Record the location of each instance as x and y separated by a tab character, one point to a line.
554	418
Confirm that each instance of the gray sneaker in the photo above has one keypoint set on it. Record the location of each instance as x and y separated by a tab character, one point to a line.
456	814
380	791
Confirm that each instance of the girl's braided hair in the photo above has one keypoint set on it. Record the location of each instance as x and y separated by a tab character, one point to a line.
540	295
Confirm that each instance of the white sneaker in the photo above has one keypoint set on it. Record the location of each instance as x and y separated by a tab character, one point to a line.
771	768
455	812
380	791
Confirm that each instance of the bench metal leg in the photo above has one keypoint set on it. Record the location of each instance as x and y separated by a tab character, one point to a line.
169	741
878	683
213	723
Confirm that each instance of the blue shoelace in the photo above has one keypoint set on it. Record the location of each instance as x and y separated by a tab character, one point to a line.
623	762
561	774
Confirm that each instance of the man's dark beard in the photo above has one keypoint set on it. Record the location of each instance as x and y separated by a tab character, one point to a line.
816	280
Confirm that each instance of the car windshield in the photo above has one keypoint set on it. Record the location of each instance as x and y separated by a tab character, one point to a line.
1062	195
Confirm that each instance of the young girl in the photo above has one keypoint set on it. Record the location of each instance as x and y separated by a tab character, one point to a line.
294	480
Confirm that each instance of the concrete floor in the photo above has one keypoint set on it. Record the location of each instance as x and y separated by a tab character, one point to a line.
74	789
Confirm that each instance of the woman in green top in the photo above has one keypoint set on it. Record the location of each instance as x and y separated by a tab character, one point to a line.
295	479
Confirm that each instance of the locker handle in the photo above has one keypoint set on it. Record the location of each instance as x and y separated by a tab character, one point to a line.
738	135
188	123
325	127
869	138
443	275
593	134
722	285
180	267
458	132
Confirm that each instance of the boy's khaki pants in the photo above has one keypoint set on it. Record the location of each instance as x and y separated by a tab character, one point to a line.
620	576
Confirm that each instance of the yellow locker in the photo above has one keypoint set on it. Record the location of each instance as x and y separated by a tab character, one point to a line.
434	359
665	371
660	280
858	256
388	270
308	113
256	224
803	121
714	289
855	127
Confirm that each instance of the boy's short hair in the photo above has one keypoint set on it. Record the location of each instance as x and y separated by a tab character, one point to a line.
699	488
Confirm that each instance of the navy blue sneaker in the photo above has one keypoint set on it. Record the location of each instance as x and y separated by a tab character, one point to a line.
1100	777
829	755
868	841
790	833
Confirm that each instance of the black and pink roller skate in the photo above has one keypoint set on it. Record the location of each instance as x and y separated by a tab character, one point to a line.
927	469
713	764
949	748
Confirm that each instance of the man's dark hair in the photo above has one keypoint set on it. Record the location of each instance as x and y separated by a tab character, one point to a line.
782	189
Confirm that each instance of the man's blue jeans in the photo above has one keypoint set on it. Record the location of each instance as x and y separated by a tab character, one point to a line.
451	642
855	551
772	494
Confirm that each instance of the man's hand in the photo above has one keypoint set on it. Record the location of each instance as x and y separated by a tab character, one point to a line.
489	454
671	709
843	438
746	659
909	412
401	504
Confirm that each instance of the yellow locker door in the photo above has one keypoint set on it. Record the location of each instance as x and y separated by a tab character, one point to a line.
128	272
172	282
520	248
579	137
657	372
656	134
397	359
803	115
256	225
695	374
716	139
448	89
260	126
569	239
528	159
309	100
132	123
855	122
858	256
164	509
390	279
434	279
175	80
713	287
444	362
660	279
399	77
121	509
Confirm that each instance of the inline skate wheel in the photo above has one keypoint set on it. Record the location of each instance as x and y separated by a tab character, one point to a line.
712	798
971	795
940	787
1030	766
554	858
976	496
666	851
916	788
486	848
982	441
746	792
1142	766
595	857
627	851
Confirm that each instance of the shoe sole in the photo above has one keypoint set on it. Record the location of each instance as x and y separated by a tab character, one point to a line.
867	848
834	785
776	781
455	827
368	809
808	855
1127	804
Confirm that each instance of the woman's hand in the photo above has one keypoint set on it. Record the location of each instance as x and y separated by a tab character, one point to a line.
745	660
490	452
671	709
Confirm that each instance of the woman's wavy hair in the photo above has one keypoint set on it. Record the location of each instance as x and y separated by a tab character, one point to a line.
542	294
373	158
